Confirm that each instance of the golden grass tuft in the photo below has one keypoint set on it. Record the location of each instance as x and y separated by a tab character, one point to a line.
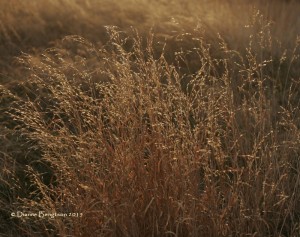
167	133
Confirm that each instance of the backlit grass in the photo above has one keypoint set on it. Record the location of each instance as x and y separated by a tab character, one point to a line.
185	124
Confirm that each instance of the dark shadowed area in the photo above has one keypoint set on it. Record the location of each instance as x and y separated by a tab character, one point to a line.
149	118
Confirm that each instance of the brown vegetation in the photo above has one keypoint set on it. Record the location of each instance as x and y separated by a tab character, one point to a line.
186	124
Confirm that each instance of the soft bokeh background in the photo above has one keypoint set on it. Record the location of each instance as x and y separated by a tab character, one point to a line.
152	118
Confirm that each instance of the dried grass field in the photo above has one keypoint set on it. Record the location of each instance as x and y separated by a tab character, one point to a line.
149	118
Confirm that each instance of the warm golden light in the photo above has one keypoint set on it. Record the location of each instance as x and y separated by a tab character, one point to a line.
149	118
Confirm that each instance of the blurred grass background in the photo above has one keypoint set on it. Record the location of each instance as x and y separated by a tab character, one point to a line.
153	118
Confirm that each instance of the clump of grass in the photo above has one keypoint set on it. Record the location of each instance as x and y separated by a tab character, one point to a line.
147	146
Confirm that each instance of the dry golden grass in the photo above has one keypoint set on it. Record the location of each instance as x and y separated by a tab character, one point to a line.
190	128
